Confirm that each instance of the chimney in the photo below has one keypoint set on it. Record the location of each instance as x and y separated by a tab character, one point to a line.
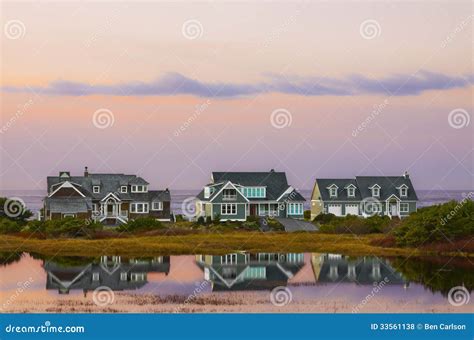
86	172
406	175
272	170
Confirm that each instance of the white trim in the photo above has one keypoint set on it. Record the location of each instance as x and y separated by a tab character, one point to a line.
224	187
392	195
407	206
121	189
66	184
107	196
145	211
96	189
135	191
160	206
230	214
289	190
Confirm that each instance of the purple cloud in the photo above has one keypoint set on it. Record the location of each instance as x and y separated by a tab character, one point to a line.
178	84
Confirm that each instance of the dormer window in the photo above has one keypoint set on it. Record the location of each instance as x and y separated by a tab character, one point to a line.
375	192
123	189
96	189
139	188
333	190
351	191
403	191
375	189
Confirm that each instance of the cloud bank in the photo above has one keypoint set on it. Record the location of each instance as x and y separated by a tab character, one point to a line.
178	84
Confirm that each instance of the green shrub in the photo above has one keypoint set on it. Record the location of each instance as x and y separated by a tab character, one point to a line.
141	224
8	226
307	215
70	227
201	220
324	218
179	218
217	218
444	222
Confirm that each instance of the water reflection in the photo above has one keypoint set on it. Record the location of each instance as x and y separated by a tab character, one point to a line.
330	268
237	272
115	272
244	271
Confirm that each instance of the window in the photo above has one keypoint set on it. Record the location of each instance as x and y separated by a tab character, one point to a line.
157	206
123	276
96	189
138	277
255	273
254	192
295	208
403	192
404	207
229	194
95	276
375	191
229	209
207	192
351	191
68	215
229	259
333	192
139	188
123	189
262	209
139	208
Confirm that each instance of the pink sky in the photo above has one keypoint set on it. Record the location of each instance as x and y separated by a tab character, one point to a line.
314	61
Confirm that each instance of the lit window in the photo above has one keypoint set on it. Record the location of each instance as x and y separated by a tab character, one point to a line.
295	208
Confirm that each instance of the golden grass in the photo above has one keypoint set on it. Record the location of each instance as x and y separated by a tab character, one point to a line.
207	243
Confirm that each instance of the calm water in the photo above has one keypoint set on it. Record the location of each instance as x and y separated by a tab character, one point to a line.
33	198
309	276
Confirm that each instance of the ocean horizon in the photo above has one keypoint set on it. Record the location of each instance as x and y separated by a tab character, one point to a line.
34	198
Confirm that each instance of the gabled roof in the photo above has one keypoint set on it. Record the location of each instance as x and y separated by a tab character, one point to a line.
388	186
275	183
341	184
108	183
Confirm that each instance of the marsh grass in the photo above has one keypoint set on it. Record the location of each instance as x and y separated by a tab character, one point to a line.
207	243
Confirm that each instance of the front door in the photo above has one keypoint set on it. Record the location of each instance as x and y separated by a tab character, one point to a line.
393	209
253	209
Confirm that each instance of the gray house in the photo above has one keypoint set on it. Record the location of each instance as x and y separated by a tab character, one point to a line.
237	195
246	271
107	198
114	272
364	196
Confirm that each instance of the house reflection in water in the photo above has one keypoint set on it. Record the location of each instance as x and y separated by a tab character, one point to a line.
244	271
330	268
115	272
